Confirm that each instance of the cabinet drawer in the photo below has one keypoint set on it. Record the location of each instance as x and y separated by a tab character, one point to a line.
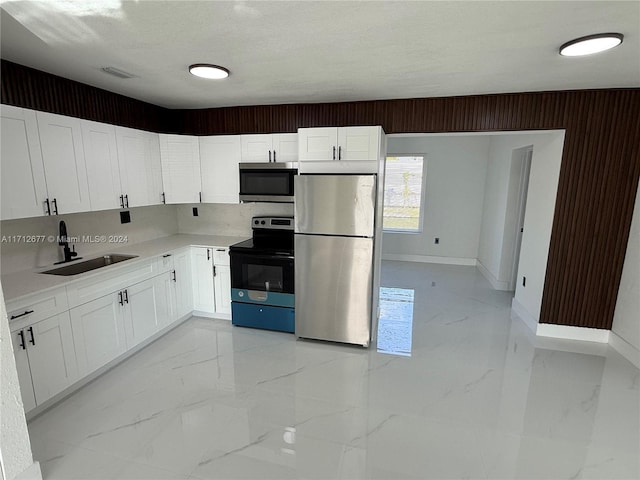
220	256
165	263
84	291
36	307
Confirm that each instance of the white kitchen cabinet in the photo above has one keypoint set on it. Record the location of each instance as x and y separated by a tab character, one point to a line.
219	159
23	188
180	159
48	348
140	167
222	281
98	332
331	149
277	147
24	372
183	283
64	163
103	171
203	290
144	305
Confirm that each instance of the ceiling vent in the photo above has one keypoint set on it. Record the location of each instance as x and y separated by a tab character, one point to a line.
117	72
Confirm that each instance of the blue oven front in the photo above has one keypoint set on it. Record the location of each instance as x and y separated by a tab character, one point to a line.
262	290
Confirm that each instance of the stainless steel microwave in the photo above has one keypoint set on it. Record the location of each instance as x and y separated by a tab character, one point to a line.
267	182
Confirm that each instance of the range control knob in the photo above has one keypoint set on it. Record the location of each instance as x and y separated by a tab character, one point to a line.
256	222
262	222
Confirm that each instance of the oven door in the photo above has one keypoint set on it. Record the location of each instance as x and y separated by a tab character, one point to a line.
265	279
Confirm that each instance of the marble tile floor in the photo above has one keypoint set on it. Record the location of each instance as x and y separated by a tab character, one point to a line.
470	394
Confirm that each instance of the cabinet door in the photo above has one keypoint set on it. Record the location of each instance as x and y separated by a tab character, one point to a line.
219	159
155	195
64	163
359	143
183	282
166	306
140	170
203	294
103	172
52	356
23	188
24	372
285	147
222	287
98	332
180	158
141	313
257	148
317	144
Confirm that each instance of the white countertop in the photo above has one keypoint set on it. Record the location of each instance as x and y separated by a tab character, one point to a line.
27	282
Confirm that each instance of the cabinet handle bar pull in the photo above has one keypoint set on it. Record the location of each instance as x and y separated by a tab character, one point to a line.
26	312
33	341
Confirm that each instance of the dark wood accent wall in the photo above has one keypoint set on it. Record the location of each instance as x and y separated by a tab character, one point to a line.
598	176
26	87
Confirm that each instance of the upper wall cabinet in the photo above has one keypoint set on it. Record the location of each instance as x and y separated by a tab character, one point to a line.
23	188
332	149
103	172
64	163
140	169
277	147
180	157
219	159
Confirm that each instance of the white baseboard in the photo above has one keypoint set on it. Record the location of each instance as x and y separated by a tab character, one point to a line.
573	333
625	349
520	312
400	257
495	283
33	472
218	316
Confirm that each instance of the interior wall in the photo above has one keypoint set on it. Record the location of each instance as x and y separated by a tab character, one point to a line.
539	216
147	223
626	320
15	454
226	219
455	172
500	212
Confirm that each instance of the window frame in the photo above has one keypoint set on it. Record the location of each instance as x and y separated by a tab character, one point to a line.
423	191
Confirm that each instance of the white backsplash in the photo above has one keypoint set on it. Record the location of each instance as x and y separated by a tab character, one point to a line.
226	219
147	223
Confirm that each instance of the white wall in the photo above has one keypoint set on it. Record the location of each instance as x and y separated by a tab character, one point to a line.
626	319
226	219
147	223
541	200
455	176
500	211
15	447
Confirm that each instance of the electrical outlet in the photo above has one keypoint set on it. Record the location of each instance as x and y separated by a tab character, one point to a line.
195	211
524	281
437	241
125	217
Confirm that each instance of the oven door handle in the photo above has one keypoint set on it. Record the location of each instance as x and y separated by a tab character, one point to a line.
234	256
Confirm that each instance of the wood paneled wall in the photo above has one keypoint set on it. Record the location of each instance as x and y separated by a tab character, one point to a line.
26	87
598	176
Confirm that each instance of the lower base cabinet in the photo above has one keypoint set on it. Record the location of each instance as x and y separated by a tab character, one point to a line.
98	332
45	359
222	288
144	309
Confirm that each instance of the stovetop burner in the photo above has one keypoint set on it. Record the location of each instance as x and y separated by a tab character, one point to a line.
271	236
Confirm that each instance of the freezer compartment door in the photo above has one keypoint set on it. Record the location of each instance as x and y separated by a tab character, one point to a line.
335	204
333	281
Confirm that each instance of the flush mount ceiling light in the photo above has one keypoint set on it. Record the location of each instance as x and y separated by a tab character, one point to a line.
206	70
591	44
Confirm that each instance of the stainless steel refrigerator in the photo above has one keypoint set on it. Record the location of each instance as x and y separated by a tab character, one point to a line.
334	245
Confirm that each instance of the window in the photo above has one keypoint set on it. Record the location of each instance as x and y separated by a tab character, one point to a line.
403	194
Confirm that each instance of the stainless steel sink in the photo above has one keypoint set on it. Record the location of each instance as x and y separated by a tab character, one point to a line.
88	265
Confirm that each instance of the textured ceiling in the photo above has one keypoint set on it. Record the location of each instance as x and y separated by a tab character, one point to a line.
320	51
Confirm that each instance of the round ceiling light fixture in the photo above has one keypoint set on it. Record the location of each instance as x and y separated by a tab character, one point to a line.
591	44
206	70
